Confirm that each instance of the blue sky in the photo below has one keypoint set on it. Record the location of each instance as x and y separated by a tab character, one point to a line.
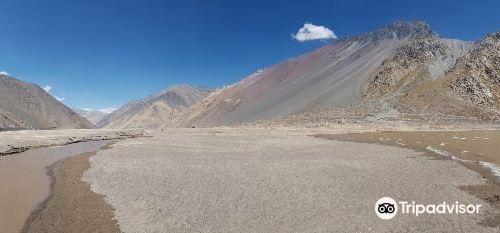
103	53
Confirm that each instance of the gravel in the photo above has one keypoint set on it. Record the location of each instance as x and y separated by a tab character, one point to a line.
206	180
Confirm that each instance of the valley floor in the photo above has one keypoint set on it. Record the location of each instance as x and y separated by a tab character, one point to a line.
12	142
266	180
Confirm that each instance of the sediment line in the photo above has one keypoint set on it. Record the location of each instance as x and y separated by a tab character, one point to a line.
71	140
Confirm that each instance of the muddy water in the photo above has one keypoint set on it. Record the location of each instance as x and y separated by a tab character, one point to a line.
25	181
477	149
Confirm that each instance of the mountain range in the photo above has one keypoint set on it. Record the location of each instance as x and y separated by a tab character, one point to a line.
157	110
403	70
93	115
26	106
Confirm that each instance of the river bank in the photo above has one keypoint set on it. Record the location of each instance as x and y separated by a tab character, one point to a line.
72	206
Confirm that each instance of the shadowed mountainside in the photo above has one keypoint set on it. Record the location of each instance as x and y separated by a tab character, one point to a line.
26	105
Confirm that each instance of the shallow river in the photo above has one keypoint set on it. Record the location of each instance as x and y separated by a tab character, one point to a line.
25	181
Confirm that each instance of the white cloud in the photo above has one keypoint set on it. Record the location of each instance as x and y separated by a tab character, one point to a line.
4	73
108	110
47	88
103	110
60	99
313	32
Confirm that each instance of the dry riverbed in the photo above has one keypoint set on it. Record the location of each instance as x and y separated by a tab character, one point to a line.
240	180
258	180
478	150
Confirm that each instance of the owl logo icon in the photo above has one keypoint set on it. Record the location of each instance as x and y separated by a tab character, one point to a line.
386	208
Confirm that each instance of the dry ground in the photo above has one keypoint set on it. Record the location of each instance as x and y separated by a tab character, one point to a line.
251	180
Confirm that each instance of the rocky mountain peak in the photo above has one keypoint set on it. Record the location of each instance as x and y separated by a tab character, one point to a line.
429	57
403	29
489	46
494	37
478	73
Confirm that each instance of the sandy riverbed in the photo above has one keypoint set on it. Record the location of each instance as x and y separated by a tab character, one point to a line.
256	180
205	180
477	149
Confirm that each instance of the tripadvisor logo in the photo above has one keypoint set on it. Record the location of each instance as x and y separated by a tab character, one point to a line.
387	208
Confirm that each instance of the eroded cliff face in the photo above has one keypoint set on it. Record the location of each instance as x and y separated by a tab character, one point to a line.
425	57
476	77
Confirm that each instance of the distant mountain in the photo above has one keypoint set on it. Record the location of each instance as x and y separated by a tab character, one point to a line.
26	105
158	110
91	115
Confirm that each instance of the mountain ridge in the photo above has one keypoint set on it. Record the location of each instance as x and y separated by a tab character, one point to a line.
332	75
26	105
156	109
92	115
400	69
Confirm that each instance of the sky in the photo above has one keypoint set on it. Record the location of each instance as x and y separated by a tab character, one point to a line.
100	54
